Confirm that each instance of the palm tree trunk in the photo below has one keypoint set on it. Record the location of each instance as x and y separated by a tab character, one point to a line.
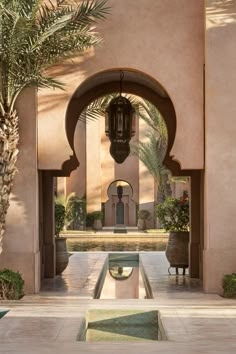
9	137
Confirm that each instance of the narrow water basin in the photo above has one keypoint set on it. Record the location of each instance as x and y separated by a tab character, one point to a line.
123	278
121	325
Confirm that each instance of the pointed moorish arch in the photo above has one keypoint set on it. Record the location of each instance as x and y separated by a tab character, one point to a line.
134	82
113	200
140	84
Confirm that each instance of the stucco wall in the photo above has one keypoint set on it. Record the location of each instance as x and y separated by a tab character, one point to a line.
163	39
220	173
77	181
21	240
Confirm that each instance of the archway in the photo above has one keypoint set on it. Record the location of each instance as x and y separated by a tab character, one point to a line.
140	84
120	208
134	82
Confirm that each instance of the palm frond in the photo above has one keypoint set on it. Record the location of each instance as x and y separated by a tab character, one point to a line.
35	35
97	108
148	154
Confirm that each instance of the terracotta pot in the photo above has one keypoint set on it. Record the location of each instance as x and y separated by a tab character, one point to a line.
62	256
177	249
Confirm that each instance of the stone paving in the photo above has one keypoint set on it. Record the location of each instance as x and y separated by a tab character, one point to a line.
50	322
79	278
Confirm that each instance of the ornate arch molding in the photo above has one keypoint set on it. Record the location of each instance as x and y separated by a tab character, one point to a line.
83	96
117	180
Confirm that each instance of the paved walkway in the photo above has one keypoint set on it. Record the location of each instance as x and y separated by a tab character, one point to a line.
50	322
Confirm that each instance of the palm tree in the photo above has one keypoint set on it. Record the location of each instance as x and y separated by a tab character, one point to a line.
34	35
150	155
152	151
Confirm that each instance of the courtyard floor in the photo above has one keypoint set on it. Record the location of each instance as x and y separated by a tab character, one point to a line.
49	322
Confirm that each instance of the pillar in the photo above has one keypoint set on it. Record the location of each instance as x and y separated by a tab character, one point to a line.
195	222
219	256
49	252
93	170
21	240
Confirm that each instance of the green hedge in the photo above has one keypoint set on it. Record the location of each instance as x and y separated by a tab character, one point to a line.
143	214
91	217
75	213
59	218
229	285
11	285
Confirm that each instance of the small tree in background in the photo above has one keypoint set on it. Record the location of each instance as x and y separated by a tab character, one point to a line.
152	151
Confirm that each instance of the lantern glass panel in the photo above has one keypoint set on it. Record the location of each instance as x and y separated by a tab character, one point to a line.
119	127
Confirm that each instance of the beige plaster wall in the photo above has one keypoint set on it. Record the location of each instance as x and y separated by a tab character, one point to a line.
163	39
21	243
146	181
178	187
93	162
129	169
220	173
107	162
77	180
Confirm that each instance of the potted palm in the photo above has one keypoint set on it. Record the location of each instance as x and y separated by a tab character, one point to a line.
62	257
173	214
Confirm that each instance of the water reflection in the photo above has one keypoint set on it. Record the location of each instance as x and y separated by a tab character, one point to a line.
123	279
120	273
77	245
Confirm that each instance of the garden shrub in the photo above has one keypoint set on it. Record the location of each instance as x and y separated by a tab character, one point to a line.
75	213
11	285
97	215
59	218
173	214
89	219
143	214
229	285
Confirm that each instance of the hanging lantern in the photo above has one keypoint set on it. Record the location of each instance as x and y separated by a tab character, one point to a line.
120	125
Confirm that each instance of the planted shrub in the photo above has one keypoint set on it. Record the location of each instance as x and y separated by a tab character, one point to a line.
11	285
98	215
59	218
143	214
89	219
75	212
173	214
229	285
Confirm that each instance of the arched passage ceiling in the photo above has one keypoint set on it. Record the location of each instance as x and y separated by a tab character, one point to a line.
135	83
114	76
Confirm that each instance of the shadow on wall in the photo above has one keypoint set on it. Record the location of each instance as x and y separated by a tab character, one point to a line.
50	101
221	13
16	216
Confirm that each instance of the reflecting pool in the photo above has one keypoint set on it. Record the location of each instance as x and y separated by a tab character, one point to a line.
110	245
123	278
